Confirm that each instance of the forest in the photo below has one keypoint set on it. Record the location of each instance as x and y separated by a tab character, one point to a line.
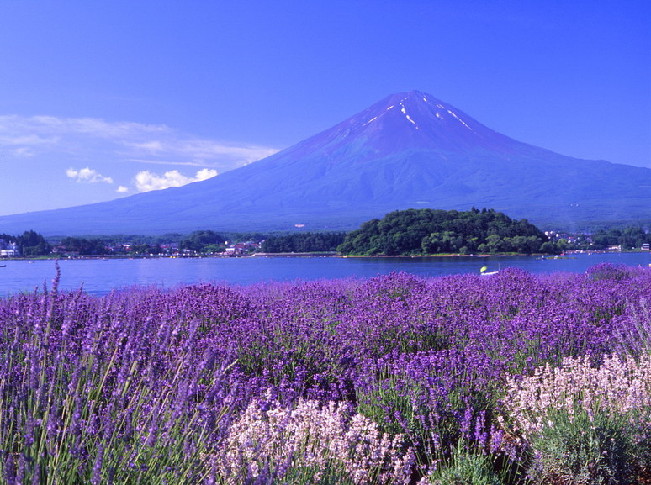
428	231
303	242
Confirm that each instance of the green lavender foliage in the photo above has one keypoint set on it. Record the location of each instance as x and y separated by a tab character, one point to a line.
87	399
466	468
584	449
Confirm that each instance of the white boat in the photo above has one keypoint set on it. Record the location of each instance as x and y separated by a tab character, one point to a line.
483	272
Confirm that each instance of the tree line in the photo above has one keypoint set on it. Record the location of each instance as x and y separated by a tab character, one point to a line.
406	232
303	242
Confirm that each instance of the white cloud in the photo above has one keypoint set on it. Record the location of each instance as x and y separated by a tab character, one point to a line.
205	174
147	181
122	189
88	175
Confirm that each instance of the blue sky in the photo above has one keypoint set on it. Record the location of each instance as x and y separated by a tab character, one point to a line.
105	99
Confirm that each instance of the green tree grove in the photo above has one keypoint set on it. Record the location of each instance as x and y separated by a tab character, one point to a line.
430	231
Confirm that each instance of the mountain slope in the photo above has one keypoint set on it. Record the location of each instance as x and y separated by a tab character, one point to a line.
408	150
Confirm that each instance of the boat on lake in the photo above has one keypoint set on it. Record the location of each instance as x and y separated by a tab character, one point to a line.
483	271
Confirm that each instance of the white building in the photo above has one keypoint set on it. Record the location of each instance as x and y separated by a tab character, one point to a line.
8	249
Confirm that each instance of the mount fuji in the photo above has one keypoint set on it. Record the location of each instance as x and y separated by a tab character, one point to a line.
409	150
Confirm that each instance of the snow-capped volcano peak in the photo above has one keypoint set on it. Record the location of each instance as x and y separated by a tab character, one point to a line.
409	120
408	150
427	107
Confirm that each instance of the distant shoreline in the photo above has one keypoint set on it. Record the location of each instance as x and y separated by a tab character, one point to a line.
320	254
329	254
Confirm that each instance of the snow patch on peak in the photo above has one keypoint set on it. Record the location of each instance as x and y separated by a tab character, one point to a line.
411	121
407	117
460	120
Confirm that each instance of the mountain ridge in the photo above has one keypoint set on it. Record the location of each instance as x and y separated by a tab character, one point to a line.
407	150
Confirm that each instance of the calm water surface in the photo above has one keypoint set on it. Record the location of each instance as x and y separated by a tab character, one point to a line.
99	277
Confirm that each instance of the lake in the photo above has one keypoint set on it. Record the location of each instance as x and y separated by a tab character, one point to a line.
99	277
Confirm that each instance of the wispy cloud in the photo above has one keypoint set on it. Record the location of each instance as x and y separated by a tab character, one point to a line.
195	151
122	141
51	128
25	139
167	162
147	181
110	159
22	152
88	175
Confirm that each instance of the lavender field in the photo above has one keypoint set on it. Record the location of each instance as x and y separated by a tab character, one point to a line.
507	379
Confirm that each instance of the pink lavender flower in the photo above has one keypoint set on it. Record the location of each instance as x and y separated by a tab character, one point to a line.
277	439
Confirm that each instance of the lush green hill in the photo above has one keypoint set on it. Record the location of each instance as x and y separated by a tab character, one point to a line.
428	231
